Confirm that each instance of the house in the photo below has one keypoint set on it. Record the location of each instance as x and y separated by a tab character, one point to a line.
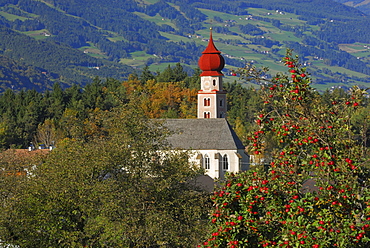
211	140
20	162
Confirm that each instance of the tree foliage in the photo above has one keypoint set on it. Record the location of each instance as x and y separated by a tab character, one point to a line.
124	188
26	116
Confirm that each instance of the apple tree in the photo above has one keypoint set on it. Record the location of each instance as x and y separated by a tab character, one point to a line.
315	190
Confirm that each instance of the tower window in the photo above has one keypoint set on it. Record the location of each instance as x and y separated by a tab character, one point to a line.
207	102
225	162
214	82
221	103
207	115
207	162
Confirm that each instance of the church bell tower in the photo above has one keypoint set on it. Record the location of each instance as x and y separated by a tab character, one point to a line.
211	96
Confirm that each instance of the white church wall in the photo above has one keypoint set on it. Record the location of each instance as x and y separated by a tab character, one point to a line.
237	161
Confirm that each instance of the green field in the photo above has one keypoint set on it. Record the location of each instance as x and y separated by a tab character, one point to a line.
157	19
12	17
162	66
38	34
150	1
211	15
175	38
116	38
93	51
137	60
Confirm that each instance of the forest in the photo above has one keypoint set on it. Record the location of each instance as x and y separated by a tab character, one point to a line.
26	115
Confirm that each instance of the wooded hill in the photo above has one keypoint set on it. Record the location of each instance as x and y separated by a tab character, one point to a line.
362	5
72	42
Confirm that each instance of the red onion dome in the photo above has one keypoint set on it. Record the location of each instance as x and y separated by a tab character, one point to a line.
211	62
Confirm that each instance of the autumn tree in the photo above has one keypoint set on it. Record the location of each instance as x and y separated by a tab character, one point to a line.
124	188
315	191
171	99
15	165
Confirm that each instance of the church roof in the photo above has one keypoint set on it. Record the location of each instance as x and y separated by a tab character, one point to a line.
202	134
211	62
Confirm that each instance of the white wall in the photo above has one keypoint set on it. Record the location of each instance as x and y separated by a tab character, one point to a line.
236	164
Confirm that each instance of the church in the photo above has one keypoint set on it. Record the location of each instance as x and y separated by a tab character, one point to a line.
213	143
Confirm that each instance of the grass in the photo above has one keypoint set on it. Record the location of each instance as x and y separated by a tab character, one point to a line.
93	51
116	38
138	59
284	36
363	55
37	34
134	62
12	17
237	52
348	72
211	15
157	19
321	65
357	49
175	38
286	18
150	1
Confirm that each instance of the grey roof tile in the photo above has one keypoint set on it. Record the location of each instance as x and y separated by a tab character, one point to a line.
202	134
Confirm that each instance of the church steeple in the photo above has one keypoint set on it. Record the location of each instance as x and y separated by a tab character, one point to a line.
211	62
211	96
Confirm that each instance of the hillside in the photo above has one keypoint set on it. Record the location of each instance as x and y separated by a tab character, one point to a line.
41	62
362	5
14	74
67	40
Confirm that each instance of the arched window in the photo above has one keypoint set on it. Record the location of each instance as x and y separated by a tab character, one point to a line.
207	162
225	162
207	102
214	82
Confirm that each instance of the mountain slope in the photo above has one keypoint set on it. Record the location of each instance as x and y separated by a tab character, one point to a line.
331	38
51	62
362	5
17	75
